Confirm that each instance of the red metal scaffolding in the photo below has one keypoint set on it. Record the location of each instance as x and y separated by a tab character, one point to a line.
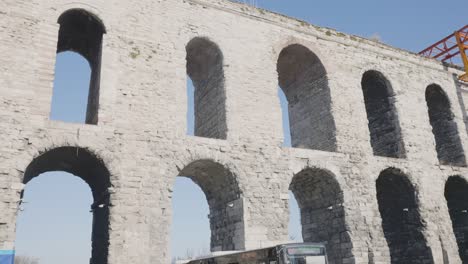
449	47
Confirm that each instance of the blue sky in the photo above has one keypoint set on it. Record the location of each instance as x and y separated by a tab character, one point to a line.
55	224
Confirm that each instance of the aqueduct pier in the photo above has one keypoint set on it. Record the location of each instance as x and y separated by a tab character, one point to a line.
377	165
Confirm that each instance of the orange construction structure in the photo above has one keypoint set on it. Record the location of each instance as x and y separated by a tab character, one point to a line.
449	47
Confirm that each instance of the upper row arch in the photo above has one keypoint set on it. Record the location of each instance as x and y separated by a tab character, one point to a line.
311	47
92	11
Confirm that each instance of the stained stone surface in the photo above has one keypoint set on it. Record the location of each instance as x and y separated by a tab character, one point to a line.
134	143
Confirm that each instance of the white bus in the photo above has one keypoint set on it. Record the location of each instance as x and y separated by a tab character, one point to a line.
298	253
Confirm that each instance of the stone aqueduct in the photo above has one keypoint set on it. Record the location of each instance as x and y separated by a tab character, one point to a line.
377	163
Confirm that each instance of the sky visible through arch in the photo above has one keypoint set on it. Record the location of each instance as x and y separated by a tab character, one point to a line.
55	225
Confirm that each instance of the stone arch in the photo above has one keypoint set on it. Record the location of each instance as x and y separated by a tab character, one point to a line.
448	144
82	32
456	194
384	127
401	221
303	79
224	198
85	164
320	201
205	68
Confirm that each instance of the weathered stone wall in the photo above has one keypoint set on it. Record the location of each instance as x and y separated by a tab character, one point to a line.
140	133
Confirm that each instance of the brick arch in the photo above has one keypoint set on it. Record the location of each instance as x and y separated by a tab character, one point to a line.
402	223
456	194
304	81
81	31
95	10
448	144
224	198
317	50
384	126
320	199
205	68
85	164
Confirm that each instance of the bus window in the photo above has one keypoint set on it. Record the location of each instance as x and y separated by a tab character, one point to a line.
303	253
307	260
306	255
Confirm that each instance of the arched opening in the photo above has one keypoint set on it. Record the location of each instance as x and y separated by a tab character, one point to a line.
456	193
303	79
285	117
205	70
320	201
294	225
401	221
82	32
224	202
190	230
384	127
190	107
69	100
444	128
84	164
54	214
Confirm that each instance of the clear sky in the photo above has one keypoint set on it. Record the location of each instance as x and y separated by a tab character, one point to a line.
55	224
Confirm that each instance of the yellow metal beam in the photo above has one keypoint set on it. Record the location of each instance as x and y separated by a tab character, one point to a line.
462	48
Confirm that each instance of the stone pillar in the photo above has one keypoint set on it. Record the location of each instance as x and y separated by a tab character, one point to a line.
10	194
